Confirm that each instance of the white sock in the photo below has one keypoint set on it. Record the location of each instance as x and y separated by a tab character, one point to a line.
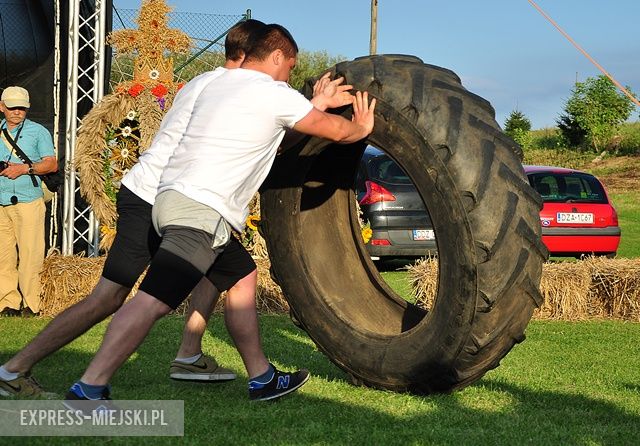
189	360
5	375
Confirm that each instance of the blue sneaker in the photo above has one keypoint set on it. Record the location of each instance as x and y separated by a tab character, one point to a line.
279	384
75	399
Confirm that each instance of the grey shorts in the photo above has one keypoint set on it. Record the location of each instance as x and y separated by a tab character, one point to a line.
189	229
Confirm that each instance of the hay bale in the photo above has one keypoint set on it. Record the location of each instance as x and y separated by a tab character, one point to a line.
565	288
269	296
615	288
591	288
66	280
423	276
587	289
69	279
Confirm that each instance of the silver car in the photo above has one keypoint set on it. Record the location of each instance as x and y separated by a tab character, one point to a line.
391	204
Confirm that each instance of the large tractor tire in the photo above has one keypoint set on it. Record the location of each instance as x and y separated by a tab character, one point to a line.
485	218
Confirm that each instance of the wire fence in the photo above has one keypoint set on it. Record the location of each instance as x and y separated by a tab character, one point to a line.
207	33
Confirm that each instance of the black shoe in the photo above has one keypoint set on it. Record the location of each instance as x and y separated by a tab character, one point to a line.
10	312
279	385
75	399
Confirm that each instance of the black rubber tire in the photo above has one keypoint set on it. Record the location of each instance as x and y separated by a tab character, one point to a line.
485	218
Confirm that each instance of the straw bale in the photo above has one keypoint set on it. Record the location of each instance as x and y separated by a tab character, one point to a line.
586	289
565	288
615	289
69	279
66	280
423	276
269	296
593	288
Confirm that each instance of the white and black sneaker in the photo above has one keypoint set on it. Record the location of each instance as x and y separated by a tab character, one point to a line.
279	384
204	369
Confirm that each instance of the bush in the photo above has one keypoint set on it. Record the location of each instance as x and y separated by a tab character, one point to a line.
518	126
630	140
596	107
560	158
547	138
626	141
572	135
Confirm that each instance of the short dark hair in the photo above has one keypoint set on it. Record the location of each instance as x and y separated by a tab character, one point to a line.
270	38
240	38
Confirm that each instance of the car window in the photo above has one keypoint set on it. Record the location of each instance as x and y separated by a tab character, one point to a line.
572	187
385	169
360	179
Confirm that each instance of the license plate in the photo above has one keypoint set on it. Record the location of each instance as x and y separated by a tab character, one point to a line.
574	217
423	234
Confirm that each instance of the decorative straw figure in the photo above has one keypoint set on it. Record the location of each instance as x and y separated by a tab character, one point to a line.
123	124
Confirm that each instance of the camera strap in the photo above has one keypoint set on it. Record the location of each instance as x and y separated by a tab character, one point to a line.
23	156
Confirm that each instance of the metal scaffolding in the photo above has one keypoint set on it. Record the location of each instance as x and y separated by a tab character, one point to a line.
85	82
87	71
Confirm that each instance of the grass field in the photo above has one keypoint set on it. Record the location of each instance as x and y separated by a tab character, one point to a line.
627	205
568	383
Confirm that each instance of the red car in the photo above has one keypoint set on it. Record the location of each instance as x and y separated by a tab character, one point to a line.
577	217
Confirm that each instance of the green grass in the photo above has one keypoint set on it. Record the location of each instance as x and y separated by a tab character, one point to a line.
400	283
628	207
568	383
550	138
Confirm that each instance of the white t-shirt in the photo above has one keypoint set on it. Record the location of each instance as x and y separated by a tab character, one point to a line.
236	126
144	176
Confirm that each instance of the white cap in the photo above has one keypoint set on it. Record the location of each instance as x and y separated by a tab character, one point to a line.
15	97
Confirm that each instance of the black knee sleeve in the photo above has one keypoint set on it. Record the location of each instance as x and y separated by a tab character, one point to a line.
170	278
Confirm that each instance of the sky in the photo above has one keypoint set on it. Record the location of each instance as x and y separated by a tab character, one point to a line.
503	50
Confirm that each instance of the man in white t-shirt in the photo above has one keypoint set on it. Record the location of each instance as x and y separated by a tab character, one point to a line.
230	143
136	242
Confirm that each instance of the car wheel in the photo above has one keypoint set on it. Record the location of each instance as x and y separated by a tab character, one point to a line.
485	218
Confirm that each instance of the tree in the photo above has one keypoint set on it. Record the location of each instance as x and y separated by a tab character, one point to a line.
311	64
572	134
598	109
518	126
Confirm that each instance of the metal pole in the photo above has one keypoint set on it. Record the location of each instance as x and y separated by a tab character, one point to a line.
373	38
86	35
70	133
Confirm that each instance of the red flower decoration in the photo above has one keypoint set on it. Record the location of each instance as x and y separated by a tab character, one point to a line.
180	85
136	89
159	91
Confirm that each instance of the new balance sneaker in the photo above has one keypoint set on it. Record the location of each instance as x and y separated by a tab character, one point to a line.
75	399
24	386
279	385
204	369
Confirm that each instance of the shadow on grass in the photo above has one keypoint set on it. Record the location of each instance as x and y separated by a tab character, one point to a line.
329	411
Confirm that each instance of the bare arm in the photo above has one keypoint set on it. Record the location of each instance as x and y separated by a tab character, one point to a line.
48	164
338	129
